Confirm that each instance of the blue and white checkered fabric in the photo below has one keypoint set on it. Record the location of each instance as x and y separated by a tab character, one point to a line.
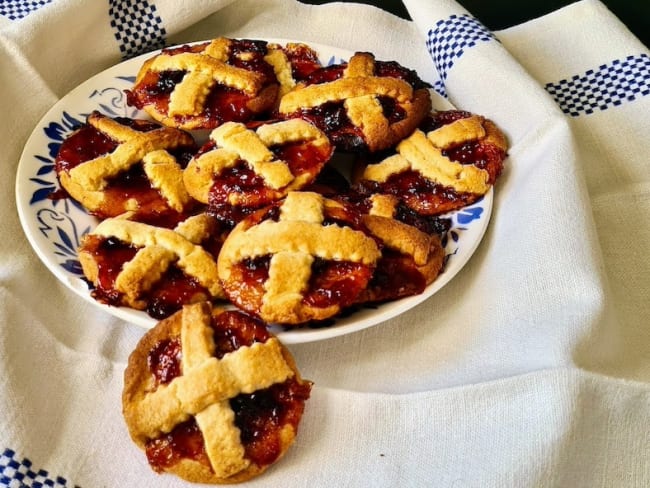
448	40
137	26
607	86
19	473
17	9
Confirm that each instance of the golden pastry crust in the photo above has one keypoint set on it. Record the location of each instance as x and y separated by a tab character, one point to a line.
370	123
221	80
286	243
442	169
280	157
156	250
132	145
187	370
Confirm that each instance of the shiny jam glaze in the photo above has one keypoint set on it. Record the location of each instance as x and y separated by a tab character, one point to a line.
304	61
185	441
174	290
421	195
109	256
233	330
164	360
395	277
336	283
260	416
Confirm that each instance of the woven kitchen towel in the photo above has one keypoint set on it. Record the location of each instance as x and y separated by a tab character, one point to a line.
529	369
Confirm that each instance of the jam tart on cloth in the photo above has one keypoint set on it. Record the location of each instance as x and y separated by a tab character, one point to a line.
201	86
301	259
211	396
252	168
363	104
151	268
448	163
112	166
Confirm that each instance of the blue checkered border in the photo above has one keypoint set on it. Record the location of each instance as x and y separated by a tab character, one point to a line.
17	9
449	39
137	26
19	473
609	85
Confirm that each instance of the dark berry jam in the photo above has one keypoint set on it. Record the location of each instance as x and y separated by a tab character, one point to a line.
260	417
174	290
233	330
109	256
185	441
336	283
85	144
395	277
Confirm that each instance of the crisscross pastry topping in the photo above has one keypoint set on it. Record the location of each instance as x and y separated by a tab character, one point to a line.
151	268
442	169
361	105
252	168
202	85
220	382
305	258
125	165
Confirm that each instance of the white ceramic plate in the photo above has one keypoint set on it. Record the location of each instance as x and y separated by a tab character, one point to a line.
54	227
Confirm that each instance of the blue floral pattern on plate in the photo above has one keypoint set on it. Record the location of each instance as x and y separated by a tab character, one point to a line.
55	226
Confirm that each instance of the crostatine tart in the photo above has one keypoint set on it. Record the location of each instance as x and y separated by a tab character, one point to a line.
201	86
115	165
305	258
152	268
212	396
449	162
362	104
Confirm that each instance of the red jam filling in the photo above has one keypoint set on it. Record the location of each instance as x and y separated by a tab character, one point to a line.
109	256
304	61
84	144
233	330
426	196
185	441
164	361
395	278
336	283
332	119
261	415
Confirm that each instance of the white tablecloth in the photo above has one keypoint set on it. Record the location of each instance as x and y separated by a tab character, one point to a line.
529	369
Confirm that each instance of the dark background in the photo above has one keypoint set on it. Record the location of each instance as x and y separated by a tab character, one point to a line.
499	14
